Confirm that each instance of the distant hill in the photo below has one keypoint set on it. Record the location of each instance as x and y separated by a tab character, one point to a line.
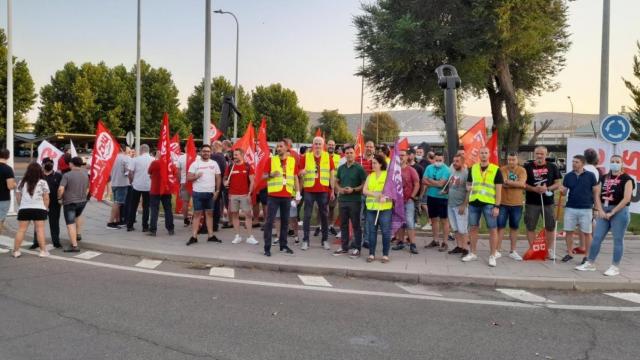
423	120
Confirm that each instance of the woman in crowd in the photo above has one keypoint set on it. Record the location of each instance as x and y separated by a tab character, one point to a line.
612	204
32	196
378	208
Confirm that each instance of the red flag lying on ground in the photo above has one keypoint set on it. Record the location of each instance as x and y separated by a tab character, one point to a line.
214	133
191	152
262	157
472	141
105	151
492	144
538	250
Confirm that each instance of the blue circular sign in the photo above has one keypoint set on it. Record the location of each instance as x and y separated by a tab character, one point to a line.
615	129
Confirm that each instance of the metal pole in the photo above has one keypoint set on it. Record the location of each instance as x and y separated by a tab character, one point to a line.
235	88
207	74
362	99
10	92
604	62
572	122
138	81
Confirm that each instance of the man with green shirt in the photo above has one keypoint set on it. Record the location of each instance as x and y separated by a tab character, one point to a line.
349	182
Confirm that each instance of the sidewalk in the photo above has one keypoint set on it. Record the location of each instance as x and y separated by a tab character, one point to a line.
430	266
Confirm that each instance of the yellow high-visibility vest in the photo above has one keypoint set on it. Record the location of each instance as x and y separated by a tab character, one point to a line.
376	184
309	178
483	187
275	184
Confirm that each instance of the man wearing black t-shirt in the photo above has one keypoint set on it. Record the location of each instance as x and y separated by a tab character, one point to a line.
7	183
542	179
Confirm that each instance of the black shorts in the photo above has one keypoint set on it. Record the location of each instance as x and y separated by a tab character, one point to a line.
262	196
32	215
437	207
72	211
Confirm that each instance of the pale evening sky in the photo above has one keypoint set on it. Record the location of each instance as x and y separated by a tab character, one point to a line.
305	45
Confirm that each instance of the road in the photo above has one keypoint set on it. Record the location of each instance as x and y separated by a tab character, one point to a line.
107	308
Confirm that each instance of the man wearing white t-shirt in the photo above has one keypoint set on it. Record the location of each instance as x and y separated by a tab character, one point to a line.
184	192
206	178
141	184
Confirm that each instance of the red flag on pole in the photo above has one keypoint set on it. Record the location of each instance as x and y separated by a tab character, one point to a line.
191	152
403	144
359	146
247	143
473	140
105	151
168	176
492	144
214	133
175	154
262	156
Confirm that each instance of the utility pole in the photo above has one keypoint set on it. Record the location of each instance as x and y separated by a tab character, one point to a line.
604	62
207	73
138	88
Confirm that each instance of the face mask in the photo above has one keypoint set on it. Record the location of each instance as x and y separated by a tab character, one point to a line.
437	164
418	158
615	167
48	166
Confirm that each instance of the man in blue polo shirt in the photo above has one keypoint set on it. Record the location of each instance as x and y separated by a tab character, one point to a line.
581	186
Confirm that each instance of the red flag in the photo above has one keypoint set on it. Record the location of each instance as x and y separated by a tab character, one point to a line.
492	144
175	154
473	140
105	151
262	156
214	133
359	146
191	152
247	143
168	176
319	133
403	144
175	146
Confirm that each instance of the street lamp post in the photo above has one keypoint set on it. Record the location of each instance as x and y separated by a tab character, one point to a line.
206	119
604	61
138	90
572	124
10	93
235	87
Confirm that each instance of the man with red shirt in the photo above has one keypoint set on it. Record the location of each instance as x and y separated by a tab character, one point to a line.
317	175
282	185
160	194
239	178
410	190
365	161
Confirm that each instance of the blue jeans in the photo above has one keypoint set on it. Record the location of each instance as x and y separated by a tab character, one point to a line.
476	211
384	223
618	225
511	213
154	206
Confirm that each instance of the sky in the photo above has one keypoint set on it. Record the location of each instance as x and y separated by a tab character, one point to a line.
307	46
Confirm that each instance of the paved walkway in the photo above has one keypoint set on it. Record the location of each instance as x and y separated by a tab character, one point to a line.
429	266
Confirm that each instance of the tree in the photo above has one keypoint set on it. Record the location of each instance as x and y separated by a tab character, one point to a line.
502	48
544	125
219	88
285	118
334	127
634	114
381	127
24	95
77	97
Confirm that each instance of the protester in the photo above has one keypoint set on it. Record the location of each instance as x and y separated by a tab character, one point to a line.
141	184
365	160
613	197
7	183
32	196
582	188
378	208
410	189
515	179
205	175
485	191
435	177
65	160
73	191
543	178
119	186
160	192
282	185
349	183
333	201
420	158
457	205
239	179
184	194
317	174
218	206
53	179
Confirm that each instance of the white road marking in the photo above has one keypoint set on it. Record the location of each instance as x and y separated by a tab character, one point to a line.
511	304
629	296
314	281
222	272
6	241
417	289
149	264
3	251
88	255
524	296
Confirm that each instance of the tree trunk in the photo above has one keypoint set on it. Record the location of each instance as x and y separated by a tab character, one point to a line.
496	101
509	95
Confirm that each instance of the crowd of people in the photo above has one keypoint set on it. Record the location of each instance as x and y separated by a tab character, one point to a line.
327	180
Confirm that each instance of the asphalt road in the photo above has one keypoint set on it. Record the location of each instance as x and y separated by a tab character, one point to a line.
56	309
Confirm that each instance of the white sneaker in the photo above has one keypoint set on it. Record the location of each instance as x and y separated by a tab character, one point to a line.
305	245
44	254
587	266
237	239
300	223
427	227
16	254
515	256
492	261
612	271
551	255
252	241
339	234
326	245
354	253
498	255
470	257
